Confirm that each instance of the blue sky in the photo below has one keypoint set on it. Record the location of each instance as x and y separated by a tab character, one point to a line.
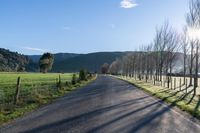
84	26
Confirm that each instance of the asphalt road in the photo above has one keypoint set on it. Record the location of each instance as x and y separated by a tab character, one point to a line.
107	105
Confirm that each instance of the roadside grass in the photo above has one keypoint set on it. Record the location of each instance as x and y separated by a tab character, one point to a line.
174	97
36	90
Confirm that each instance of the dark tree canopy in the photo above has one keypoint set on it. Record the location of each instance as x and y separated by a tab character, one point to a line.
104	68
82	75
46	62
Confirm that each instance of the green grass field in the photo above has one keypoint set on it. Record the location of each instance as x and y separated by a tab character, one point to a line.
29	83
36	89
9	79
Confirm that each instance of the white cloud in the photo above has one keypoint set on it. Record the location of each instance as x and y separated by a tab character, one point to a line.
128	4
67	28
35	49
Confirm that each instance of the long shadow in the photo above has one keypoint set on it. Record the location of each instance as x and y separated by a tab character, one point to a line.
178	87
89	115
191	99
197	107
142	122
162	91
175	93
182	97
89	93
150	117
122	117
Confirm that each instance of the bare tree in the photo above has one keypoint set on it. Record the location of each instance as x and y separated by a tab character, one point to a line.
193	16
105	68
165	40
171	53
196	67
184	47
193	22
115	67
191	61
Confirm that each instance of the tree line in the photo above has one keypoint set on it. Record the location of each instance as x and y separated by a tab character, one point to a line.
159	58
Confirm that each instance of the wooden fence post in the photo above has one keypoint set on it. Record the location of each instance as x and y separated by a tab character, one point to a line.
59	79
180	84
164	83
174	83
17	91
59	82
186	86
171	83
168	82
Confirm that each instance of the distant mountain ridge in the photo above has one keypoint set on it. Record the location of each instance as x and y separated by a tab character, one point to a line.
91	62
58	57
71	62
65	62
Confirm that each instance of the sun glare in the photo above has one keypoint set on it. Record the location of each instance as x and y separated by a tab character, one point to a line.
194	33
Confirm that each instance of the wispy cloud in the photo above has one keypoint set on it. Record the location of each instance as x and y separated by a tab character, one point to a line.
67	28
35	49
128	4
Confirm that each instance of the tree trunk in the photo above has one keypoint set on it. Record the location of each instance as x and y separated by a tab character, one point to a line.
191	63
184	67
196	69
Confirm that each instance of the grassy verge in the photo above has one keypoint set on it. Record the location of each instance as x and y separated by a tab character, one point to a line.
185	101
34	96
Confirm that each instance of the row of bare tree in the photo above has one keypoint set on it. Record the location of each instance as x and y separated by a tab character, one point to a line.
160	57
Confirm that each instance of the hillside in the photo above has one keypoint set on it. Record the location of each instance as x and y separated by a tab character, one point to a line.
12	61
64	62
57	57
91	61
71	62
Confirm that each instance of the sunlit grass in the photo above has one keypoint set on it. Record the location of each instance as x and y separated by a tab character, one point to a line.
173	97
36	89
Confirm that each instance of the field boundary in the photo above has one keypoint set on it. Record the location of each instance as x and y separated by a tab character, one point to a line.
29	108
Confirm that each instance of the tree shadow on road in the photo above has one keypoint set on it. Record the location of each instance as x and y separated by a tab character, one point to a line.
90	115
152	110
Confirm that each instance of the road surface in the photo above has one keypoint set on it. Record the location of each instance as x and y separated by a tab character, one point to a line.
107	105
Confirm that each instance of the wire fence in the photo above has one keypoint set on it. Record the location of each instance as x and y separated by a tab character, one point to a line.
30	91
176	83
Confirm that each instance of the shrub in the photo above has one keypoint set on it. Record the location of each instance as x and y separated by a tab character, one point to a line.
74	79
89	76
68	84
79	81
82	75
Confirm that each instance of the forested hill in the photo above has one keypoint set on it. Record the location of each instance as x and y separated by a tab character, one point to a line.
12	61
63	62
57	57
91	62
70	62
